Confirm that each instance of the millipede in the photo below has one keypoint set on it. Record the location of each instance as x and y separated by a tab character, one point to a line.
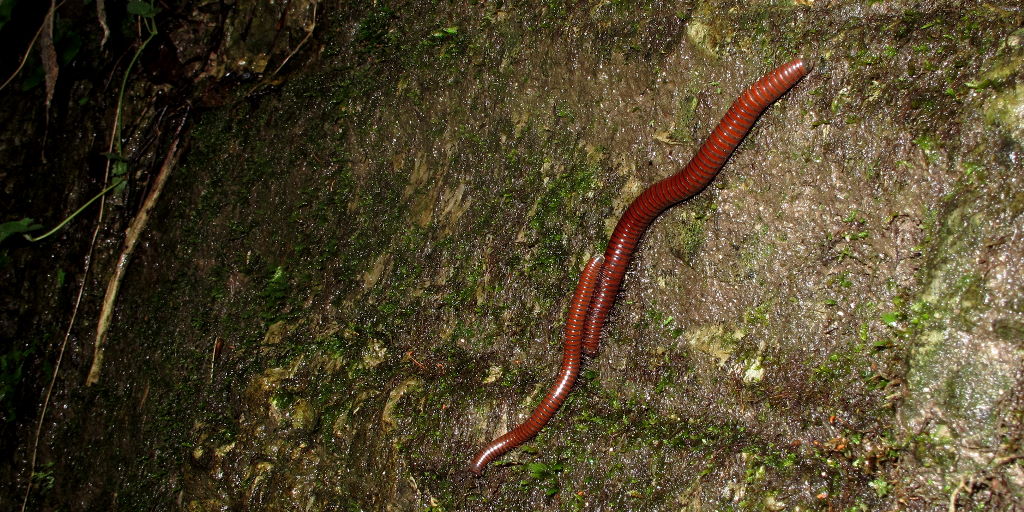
571	361
602	277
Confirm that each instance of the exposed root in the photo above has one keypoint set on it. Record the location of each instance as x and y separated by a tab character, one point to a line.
130	242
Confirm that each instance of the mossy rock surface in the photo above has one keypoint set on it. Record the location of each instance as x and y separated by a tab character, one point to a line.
384	245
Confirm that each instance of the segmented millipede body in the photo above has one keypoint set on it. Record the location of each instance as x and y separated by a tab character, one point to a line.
697	174
602	277
571	361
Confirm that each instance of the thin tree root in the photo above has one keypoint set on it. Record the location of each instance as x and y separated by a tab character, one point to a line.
130	242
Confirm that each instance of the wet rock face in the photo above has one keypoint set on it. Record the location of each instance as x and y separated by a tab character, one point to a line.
1005	108
389	240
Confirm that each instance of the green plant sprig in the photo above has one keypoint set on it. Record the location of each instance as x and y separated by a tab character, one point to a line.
117	182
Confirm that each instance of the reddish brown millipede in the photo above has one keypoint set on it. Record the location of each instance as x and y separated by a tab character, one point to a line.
697	174
601	278
571	361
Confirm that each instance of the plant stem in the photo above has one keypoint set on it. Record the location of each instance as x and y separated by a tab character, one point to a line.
31	238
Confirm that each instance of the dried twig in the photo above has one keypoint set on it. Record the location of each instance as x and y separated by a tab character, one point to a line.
101	15
28	51
49	54
60	358
309	33
130	242
964	485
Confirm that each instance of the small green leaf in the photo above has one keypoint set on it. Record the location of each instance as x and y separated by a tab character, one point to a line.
445	32
114	156
891	317
881	487
17	226
5	13
979	84
140	8
972	168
